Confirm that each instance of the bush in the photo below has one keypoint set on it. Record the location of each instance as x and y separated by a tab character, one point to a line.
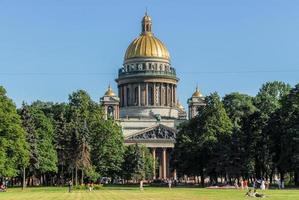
98	186
80	187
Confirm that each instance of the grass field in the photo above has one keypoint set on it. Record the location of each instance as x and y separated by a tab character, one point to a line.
128	193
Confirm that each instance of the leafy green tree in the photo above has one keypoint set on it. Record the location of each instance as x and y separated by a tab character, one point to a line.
239	107
268	100
14	154
107	147
138	163
47	155
31	138
79	111
283	128
205	138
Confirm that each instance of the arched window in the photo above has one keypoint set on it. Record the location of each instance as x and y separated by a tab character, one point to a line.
110	112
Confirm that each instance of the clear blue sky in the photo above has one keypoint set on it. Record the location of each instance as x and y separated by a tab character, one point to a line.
50	48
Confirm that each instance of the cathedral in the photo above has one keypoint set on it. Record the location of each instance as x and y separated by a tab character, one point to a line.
146	105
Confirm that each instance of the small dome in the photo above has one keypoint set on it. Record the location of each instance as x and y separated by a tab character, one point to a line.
180	106
146	18
147	45
110	92
197	93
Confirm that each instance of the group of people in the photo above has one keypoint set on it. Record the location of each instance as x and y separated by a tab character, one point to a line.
261	183
243	184
169	183
90	186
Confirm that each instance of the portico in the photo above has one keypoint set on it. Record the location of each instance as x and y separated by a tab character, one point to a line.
160	140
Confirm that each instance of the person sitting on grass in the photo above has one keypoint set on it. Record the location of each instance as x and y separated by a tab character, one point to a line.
2	188
254	194
258	195
250	193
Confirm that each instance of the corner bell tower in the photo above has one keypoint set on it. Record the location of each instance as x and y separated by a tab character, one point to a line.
197	100
110	102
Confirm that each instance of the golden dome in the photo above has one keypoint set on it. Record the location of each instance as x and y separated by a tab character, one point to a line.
147	45
180	106
109	92
197	93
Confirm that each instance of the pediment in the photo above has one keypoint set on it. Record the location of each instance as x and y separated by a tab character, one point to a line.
155	133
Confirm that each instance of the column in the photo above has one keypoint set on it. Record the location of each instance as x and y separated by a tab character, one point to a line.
172	103
161	94
164	163
125	95
155	95
154	162
175	98
139	93
146	94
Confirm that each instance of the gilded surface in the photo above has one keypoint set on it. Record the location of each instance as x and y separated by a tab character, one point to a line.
110	92
147	45
197	93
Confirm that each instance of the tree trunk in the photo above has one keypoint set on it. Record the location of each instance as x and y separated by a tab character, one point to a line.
271	176
73	176
24	178
76	176
202	179
296	177
82	176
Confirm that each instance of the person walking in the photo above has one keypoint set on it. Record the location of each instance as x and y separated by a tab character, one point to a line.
263	187
70	185
169	183
242	184
246	184
236	184
141	185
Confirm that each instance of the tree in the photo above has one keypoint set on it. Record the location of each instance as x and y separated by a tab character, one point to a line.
205	139
31	138
284	130
14	153
79	112
239	107
138	163
107	147
47	155
268	100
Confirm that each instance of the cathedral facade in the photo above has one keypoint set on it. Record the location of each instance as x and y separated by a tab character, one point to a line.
147	106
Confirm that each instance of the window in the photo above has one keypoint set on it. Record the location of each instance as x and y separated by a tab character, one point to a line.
110	112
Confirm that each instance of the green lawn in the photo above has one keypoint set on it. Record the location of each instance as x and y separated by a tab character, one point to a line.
128	193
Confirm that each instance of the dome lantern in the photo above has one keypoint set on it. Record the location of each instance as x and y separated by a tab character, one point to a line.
146	24
147	45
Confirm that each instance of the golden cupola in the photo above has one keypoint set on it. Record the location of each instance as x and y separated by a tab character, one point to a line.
147	45
197	93
110	92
